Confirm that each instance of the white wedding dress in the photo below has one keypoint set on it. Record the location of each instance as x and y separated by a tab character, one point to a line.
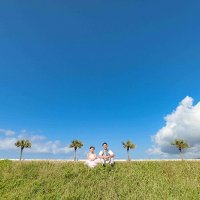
91	162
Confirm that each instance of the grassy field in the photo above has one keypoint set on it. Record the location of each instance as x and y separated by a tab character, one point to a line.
126	180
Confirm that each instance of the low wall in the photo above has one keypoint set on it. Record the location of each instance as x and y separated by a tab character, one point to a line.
117	160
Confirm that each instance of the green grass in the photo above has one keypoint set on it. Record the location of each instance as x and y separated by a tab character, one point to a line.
126	180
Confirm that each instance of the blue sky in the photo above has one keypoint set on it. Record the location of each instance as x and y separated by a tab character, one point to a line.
95	70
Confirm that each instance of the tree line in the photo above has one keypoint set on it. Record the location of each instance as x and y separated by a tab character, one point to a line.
128	145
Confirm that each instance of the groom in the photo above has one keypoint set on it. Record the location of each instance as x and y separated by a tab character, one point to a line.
106	155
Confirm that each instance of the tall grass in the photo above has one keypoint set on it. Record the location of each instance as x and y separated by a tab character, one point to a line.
130	180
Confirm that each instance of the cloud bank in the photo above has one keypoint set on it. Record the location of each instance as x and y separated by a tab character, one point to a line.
183	123
7	132
40	144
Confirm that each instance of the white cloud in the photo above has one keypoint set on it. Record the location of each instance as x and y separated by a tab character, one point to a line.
46	146
40	144
7	132
7	143
38	138
183	123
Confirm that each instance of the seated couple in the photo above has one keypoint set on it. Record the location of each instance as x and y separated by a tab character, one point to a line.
105	156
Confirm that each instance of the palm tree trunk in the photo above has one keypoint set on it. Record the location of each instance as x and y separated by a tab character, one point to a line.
21	153
181	156
74	154
129	159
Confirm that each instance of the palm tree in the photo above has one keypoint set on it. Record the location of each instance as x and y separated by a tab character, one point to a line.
75	144
23	144
128	145
180	145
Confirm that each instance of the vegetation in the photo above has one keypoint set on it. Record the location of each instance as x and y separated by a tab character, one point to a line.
23	144
180	145
128	145
125	181
75	144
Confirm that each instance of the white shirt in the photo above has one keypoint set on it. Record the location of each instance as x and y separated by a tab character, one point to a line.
109	152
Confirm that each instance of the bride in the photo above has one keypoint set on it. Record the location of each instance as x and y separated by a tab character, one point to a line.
92	159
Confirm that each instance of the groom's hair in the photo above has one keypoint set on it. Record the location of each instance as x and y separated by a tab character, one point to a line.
92	147
104	143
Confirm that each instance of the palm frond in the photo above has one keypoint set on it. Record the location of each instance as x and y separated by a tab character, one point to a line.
128	144
76	144
23	144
